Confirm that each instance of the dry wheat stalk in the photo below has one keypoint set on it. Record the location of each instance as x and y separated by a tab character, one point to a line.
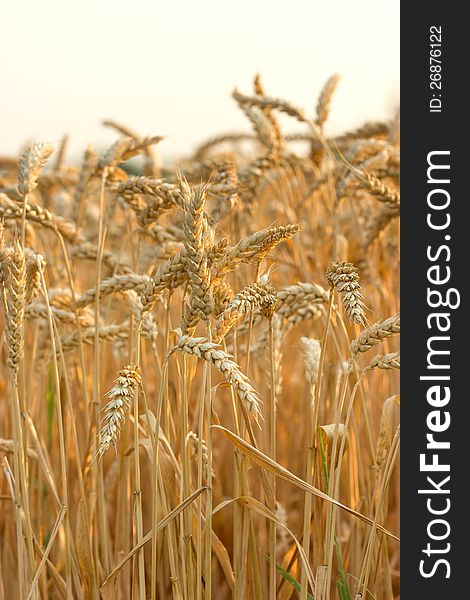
59	160
111	333
124	149
274	103
170	232
149	325
366	149
38	214
300	296
259	91
311	350
121	128
195	172
278	338
37	310
117	408
369	129
384	438
88	167
154	254
223	295
31	164
373	129
167	194
33	276
113	285
324	100
4	251
282	325
385	361
225	364
15	304
170	275
133	301
343	276
256	295
377	188
155	237
192	443
295	303
151	166
262	126
200	303
375	334
253	248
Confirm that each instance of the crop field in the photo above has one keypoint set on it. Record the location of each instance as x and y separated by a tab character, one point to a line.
199	366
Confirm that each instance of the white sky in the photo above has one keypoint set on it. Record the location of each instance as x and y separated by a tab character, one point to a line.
169	67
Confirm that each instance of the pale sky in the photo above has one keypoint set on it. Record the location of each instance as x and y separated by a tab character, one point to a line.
168	68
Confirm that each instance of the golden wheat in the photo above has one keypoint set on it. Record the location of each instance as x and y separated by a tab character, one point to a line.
201	276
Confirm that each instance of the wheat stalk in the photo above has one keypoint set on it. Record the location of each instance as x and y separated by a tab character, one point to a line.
253	248
168	194
200	303
38	214
385	361
169	276
262	126
256	295
375	334
117	332
115	411
273	103
303	296
15	305
311	351
113	285
191	236
31	164
343	276
124	149
37	310
224	363
324	100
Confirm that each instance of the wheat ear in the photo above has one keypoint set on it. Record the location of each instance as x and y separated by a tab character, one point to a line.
375	334
16	301
344	277
253	248
30	165
115	411
324	100
200	303
385	361
170	275
256	295
225	364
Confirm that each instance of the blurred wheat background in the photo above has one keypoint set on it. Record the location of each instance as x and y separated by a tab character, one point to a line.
199	345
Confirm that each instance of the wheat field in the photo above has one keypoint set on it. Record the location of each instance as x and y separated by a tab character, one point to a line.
199	364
